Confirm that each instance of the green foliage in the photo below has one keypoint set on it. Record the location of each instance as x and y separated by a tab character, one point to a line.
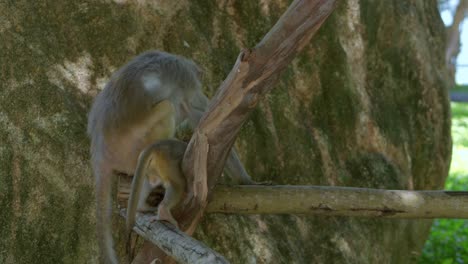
459	134
448	241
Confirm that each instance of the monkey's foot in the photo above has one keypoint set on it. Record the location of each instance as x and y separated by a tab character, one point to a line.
165	215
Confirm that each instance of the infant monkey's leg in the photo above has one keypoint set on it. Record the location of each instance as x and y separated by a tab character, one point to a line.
171	198
160	162
168	163
163	159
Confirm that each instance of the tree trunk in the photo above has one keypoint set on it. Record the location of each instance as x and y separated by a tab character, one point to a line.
364	105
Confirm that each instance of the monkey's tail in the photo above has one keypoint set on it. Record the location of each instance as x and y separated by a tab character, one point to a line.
137	185
135	193
104	217
235	170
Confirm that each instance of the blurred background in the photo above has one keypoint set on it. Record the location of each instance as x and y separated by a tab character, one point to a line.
448	10
448	241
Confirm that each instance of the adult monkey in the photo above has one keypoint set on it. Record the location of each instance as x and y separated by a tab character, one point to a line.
144	101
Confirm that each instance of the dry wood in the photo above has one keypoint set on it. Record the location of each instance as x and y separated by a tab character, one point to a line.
174	242
338	201
254	73
333	201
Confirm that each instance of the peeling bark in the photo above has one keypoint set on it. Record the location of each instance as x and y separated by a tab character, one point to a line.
174	242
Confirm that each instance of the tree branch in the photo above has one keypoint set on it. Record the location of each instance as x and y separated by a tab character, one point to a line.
287	199
453	34
174	242
254	73
338	201
331	200
452	48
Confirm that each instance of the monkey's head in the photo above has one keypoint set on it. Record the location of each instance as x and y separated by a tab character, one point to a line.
148	79
167	76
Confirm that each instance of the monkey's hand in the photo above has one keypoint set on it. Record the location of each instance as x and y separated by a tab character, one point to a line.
184	131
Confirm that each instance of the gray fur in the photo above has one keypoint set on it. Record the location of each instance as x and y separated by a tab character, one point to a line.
117	124
126	100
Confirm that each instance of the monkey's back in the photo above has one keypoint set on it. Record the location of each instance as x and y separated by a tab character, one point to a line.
125	118
127	96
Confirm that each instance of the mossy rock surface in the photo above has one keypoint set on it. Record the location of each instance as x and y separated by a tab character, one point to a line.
365	104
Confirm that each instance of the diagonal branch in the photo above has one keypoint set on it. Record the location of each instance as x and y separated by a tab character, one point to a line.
174	242
453	38
453	33
254	73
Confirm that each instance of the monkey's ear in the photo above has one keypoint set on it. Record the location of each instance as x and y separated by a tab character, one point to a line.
151	82
153	86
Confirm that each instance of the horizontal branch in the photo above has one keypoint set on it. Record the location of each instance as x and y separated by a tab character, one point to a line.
338	201
290	199
174	242
329	200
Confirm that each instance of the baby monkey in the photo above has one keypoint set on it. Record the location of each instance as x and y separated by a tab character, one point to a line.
160	163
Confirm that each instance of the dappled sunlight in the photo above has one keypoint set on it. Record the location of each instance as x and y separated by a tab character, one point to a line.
343	246
411	198
77	73
261	247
